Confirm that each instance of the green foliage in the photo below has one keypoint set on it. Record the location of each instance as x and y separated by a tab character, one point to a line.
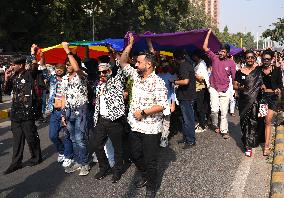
49	22
276	34
248	40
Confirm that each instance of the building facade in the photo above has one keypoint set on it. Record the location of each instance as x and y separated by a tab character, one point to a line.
212	9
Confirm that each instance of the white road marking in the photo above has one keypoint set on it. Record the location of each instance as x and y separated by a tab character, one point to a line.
239	183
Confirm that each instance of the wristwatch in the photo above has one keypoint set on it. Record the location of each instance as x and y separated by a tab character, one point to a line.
69	53
143	113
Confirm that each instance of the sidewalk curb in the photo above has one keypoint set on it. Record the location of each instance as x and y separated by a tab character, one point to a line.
5	113
277	175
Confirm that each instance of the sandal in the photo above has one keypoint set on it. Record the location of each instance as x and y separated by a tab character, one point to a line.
266	150
248	153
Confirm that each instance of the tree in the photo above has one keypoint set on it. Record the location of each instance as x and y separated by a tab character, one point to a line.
276	34
248	40
51	21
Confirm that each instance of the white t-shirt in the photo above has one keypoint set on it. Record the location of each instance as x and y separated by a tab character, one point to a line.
201	70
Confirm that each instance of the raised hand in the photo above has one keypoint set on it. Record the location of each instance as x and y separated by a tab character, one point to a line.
131	39
34	49
65	46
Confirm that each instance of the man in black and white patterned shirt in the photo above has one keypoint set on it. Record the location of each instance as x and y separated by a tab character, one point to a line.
109	119
74	115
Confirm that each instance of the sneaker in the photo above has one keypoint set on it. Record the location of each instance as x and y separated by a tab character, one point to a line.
196	125
67	162
84	170
60	158
199	129
73	168
164	142
95	159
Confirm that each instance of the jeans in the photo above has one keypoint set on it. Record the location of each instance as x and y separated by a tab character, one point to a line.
219	101
166	126
144	153
64	147
200	110
77	128
43	104
109	152
188	125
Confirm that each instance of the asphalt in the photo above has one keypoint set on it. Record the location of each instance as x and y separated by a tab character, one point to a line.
213	168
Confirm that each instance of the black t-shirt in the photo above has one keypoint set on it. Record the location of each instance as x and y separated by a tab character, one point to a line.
186	92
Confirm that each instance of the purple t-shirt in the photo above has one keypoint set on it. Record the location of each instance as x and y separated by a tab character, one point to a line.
221	70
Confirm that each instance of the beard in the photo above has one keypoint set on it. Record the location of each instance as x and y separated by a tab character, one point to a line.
141	72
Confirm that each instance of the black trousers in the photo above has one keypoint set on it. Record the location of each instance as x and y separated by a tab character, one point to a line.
144	153
25	130
114	130
200	108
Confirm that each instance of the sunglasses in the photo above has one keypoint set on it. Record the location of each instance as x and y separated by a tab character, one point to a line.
266	59
250	57
104	71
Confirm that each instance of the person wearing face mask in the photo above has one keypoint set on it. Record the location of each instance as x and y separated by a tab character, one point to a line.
248	83
109	119
272	85
54	106
222	69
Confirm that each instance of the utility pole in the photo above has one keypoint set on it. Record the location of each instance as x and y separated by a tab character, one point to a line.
93	22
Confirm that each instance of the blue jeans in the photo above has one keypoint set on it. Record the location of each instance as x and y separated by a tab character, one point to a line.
64	147
77	128
188	125
43	104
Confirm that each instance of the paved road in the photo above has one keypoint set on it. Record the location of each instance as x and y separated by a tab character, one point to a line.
214	168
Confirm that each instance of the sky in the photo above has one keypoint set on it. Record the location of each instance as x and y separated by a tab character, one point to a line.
250	15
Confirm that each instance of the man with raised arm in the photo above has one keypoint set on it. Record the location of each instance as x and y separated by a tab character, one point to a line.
75	110
149	99
222	68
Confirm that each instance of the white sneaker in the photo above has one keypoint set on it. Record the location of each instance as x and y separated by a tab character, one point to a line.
95	159
73	168
60	158
199	130
67	162
84	170
164	142
196	125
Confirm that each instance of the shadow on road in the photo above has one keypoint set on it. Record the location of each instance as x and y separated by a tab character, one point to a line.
44	182
167	155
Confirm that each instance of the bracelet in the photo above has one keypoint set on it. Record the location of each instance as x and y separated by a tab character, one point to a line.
143	113
69	53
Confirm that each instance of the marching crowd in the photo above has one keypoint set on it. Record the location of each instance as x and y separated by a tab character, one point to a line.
128	102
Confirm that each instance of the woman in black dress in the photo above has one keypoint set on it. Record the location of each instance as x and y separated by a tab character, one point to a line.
272	86
248	83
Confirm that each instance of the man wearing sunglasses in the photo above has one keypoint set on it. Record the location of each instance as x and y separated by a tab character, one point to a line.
109	119
222	69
